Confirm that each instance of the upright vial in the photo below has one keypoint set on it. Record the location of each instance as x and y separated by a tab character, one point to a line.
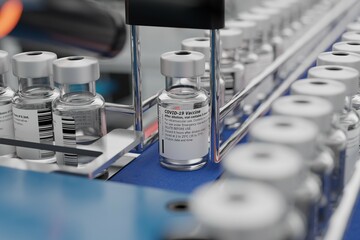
79	112
336	140
237	208
298	134
320	112
32	103
349	118
6	94
351	36
183	112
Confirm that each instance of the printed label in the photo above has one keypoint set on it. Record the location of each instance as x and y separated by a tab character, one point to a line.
352	152
184	134
33	126
6	128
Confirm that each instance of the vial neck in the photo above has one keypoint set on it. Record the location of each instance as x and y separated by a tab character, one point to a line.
177	83
228	57
3	83
69	91
36	86
348	104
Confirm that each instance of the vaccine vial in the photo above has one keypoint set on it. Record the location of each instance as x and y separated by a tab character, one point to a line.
183	112
336	139
6	115
263	49
238	208
320	112
347	46
300	135
279	166
248	58
349	118
79	112
32	103
351	36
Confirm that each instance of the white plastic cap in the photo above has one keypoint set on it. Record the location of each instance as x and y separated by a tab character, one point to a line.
33	64
230	38
237	208
184	64
248	28
297	133
76	70
273	13
279	166
346	75
351	36
315	109
198	44
262	21
354	26
347	46
346	59
4	62
331	90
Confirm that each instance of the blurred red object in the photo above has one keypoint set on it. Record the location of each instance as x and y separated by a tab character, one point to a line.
10	13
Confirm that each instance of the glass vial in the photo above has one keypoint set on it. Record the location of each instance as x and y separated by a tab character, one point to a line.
6	115
183	112
32	103
79	112
300	135
234	208
336	140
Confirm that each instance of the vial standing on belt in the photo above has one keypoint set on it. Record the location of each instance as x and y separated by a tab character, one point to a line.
79	112
32	103
6	94
320	112
336	140
351	36
301	135
183	112
237	208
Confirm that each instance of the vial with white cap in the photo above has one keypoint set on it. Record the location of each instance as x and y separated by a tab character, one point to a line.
6	94
79	112
234	208
32	103
336	140
183	112
301	135
320	112
275	165
354	26
351	36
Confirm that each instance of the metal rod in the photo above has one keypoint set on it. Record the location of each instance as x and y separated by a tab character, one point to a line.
328	40
136	81
129	109
214	83
293	49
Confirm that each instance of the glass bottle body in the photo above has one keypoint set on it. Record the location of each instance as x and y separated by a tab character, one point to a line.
32	106
79	119
184	125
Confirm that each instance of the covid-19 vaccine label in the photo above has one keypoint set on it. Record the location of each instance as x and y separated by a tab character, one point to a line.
6	128
33	126
184	134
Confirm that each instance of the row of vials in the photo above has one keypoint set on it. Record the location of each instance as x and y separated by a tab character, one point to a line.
56	102
288	180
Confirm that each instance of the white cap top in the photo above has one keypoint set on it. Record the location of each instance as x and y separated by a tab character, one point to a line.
33	64
351	36
331	90
230	38
297	133
261	20
76	70
198	44
354	26
315	109
182	64
273	13
4	62
346	59
237	208
347	46
248	28
280	166
346	75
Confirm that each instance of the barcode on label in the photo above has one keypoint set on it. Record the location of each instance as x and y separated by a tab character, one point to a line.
69	138
46	131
